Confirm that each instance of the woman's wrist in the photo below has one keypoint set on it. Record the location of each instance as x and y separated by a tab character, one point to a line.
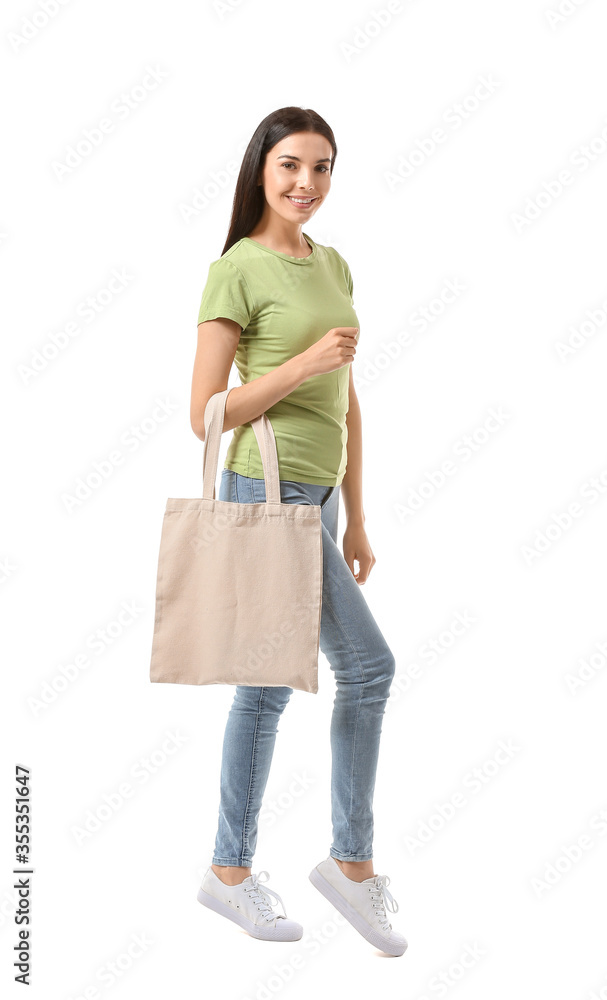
300	366
355	520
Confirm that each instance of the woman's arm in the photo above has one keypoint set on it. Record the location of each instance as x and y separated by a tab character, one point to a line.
355	541
217	344
218	341
352	483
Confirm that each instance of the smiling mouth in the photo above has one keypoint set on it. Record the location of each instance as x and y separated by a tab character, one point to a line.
304	202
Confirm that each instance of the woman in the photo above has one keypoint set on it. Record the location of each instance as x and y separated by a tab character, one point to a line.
280	306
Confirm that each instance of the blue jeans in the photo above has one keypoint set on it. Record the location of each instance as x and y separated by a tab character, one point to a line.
364	668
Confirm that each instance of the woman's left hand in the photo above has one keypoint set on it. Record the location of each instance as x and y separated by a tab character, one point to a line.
356	546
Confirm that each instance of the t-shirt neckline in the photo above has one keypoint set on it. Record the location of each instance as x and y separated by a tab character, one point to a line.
285	256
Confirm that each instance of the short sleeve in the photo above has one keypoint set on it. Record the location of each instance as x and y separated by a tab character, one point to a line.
226	295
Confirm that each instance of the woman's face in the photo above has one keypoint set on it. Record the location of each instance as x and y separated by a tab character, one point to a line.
297	167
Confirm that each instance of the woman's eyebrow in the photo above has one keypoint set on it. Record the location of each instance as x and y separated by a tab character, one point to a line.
326	159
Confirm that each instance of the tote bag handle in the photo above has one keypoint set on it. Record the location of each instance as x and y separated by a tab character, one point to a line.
214	416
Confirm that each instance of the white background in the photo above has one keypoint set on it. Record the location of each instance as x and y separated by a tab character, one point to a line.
501	878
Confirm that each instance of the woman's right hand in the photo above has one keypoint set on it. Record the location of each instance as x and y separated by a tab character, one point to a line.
336	349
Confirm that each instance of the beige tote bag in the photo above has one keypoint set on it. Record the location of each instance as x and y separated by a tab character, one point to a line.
239	585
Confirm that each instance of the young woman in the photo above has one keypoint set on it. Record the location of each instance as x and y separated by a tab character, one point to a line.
280	306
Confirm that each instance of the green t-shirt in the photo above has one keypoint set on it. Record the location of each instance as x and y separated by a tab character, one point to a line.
284	305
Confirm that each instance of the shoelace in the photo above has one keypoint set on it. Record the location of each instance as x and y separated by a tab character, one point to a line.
261	897
382	897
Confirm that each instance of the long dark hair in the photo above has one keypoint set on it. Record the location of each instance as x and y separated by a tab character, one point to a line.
248	204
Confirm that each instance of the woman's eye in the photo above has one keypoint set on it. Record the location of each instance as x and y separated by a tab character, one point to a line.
321	167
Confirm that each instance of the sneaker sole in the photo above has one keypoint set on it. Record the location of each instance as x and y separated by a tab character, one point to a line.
269	933
358	922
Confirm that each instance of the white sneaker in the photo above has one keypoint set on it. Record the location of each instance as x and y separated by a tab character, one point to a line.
249	906
362	903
